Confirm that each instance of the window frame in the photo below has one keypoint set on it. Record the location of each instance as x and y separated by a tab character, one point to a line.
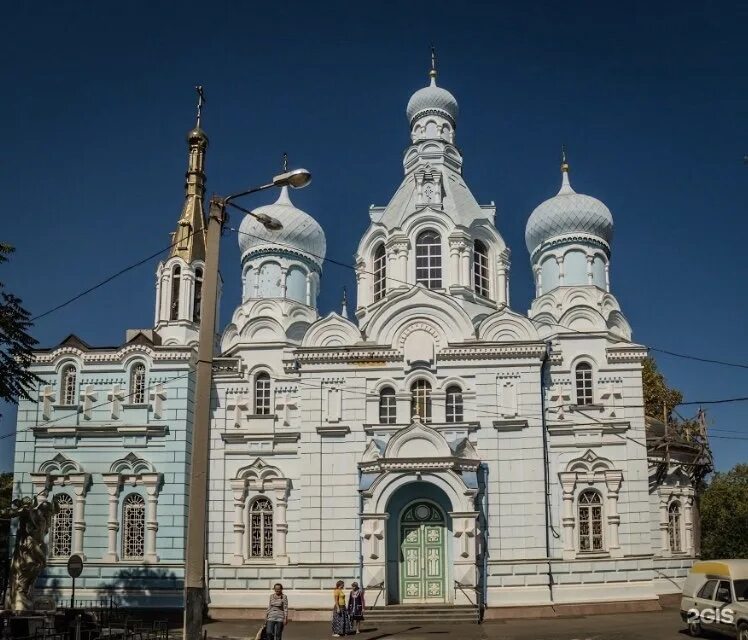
674	526
176	278
132	389
481	271
69	392
415	405
700	593
388	409
198	294
263	516
584	388
69	525
262	396
589	506
454	405
431	273
130	528
379	269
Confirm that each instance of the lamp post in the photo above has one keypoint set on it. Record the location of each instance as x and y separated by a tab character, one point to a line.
194	579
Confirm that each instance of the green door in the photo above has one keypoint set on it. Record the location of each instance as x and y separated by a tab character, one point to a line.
422	557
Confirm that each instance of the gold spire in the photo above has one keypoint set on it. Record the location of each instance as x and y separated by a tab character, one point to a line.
432	72
564	163
189	238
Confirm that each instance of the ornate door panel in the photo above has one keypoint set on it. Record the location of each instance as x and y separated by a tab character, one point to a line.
422	560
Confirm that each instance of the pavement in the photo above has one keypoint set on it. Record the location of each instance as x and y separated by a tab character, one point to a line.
659	625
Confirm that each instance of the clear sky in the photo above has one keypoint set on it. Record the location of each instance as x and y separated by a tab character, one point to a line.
651	100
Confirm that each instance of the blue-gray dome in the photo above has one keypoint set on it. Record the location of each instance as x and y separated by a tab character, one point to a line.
568	213
430	99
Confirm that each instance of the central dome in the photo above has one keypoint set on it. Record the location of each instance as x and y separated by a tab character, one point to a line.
431	99
300	231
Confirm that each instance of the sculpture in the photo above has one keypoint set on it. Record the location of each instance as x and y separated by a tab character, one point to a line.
30	551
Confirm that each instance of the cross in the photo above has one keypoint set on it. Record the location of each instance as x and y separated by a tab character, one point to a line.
464	529
200	103
285	162
373	533
612	392
433	59
88	396
240	405
47	396
157	397
286	403
116	396
559	397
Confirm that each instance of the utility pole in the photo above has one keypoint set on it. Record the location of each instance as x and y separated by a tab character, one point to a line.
194	579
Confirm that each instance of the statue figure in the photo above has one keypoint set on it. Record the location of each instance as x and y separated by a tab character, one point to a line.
30	551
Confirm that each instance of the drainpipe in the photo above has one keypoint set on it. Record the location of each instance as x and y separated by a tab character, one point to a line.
360	540
546	470
484	588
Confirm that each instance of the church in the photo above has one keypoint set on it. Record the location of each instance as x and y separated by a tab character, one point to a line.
437	446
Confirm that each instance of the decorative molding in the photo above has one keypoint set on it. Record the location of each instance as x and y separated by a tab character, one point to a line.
101	431
498	351
630	353
334	430
510	425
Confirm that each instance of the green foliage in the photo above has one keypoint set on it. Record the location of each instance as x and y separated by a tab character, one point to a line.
6	491
657	393
724	515
15	343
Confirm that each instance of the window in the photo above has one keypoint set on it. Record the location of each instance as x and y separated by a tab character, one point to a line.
61	529
480	268
69	376
380	272
724	593
673	526
454	404
176	275
707	591
261	528
198	295
137	384
387	406
133	530
420	400
262	394
590	521
429	259
584	383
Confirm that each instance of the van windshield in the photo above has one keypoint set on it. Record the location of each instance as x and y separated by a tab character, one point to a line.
741	590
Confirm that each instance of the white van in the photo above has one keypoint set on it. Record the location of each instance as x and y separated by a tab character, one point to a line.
715	598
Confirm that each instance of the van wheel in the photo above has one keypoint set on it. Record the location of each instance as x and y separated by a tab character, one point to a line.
694	629
743	631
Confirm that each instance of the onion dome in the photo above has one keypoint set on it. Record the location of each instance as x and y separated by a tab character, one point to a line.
300	233
432	99
568	214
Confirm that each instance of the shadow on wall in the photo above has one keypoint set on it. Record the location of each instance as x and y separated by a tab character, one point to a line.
136	587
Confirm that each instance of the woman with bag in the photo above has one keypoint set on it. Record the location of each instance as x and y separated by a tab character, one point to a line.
277	615
356	606
341	624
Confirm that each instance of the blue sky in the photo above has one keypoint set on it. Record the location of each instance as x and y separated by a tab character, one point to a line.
651	100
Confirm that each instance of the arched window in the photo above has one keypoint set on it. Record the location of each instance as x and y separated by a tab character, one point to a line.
590	521
673	526
387	406
69	381
198	295
133	527
61	529
583	374
420	399
176	277
380	272
454	404
137	384
480	269
429	259
261	528
262	394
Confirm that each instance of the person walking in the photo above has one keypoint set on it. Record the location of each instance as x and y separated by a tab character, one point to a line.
341	624
277	614
356	606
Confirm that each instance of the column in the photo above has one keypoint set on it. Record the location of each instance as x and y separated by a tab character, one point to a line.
247	283
607	277
239	487
464	265
538	283
389	281
501	283
113	485
560	263
309	301
185	294
157	312
281	521
568	482
688	524
284	284
454	264
613	482
79	482
151	483
664	542
373	545
589	268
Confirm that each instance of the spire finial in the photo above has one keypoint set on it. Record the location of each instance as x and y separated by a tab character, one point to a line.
344	304
200	103
564	163
565	184
432	73
285	162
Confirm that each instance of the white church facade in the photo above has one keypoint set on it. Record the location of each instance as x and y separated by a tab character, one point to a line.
438	447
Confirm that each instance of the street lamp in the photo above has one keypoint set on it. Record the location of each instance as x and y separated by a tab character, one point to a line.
194	578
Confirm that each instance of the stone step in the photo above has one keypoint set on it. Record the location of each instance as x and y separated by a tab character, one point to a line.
424	614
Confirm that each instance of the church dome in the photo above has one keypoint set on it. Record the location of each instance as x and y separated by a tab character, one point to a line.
432	99
300	231
568	213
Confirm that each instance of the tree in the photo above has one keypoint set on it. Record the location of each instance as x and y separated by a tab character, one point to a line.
724	515
6	491
657	393
16	344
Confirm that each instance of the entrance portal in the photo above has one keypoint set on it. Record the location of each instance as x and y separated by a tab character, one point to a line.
422	553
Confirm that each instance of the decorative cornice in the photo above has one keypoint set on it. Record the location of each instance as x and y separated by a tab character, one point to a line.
495	351
334	430
351	354
628	353
581	238
119	355
100	431
433	112
419	464
244	436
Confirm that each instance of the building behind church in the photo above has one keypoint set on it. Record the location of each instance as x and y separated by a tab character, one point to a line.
438	447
